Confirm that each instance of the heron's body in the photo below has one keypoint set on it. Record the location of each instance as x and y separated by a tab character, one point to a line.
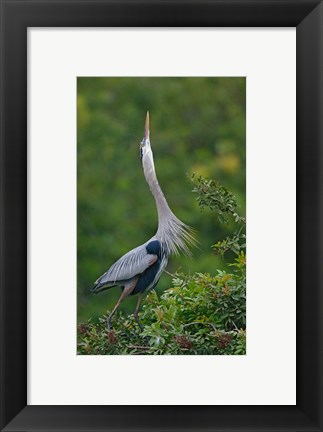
144	263
139	270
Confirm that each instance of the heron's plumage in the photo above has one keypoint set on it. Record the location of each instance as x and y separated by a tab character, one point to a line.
150	277
127	267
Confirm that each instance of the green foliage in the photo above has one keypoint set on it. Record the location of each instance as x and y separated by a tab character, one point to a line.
214	196
229	244
199	314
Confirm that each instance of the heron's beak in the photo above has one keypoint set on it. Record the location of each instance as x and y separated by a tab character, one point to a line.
145	143
147	127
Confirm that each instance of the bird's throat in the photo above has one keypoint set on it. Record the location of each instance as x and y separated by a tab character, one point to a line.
150	174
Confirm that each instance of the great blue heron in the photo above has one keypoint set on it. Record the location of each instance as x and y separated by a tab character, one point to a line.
140	269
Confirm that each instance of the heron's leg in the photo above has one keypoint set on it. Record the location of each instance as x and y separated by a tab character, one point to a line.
126	291
113	312
137	310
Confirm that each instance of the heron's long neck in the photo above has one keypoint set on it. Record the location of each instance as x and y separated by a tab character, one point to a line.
173	233
164	212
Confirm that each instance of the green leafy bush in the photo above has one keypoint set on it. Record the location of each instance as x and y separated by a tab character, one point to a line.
216	197
212	195
199	314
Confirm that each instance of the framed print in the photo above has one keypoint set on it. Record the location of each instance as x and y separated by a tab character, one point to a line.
112	113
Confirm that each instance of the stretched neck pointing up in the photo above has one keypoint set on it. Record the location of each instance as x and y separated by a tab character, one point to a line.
174	234
151	178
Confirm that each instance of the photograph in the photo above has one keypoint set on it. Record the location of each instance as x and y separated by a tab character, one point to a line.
161	215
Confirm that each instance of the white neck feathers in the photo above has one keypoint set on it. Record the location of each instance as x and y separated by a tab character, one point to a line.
174	235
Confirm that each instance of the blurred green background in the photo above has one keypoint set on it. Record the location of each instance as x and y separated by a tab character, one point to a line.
196	125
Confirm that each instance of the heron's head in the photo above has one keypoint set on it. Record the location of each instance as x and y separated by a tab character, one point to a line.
145	148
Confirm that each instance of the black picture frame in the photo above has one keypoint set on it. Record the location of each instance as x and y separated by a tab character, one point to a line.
16	17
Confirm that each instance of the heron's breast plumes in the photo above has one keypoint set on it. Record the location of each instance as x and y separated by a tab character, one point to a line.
175	236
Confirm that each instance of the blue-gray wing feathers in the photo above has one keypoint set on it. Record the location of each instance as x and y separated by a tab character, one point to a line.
128	266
